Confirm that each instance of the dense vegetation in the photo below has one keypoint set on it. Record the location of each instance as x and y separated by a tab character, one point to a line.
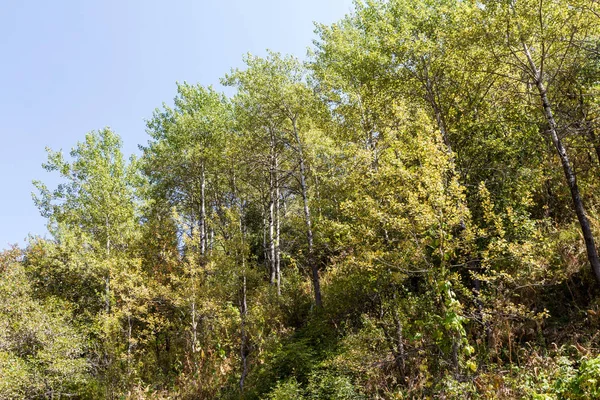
411	213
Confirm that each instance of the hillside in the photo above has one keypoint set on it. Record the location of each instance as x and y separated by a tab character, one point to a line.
411	213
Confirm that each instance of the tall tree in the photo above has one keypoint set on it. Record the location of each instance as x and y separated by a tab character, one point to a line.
183	158
274	94
540	42
184	165
97	197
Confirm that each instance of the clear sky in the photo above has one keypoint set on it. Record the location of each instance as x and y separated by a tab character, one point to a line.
69	66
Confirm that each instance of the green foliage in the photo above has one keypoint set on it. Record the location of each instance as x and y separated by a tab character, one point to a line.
41	353
330	386
286	390
388	220
584	384
97	196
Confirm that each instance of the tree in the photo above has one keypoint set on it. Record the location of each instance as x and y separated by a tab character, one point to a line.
540	42
41	352
183	158
95	207
97	198
275	101
184	164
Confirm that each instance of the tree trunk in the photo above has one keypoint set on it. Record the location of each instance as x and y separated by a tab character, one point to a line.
244	338
243	304
275	278
194	324
129	343
307	218
202	211
277	232
588	237
431	98
272	260
265	245
107	279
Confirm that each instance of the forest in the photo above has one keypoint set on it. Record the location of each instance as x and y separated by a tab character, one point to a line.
413	211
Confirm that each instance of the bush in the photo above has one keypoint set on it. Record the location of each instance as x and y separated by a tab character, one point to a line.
286	390
41	353
585	384
326	385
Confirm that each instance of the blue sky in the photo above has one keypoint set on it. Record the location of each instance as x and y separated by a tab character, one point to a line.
69	67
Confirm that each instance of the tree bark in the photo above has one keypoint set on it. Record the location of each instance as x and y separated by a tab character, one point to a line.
272	250
244	338
265	245
244	349
194	324
277	232
129	343
202	211
107	279
307	218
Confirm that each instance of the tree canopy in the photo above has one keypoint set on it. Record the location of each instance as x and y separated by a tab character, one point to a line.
411	212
